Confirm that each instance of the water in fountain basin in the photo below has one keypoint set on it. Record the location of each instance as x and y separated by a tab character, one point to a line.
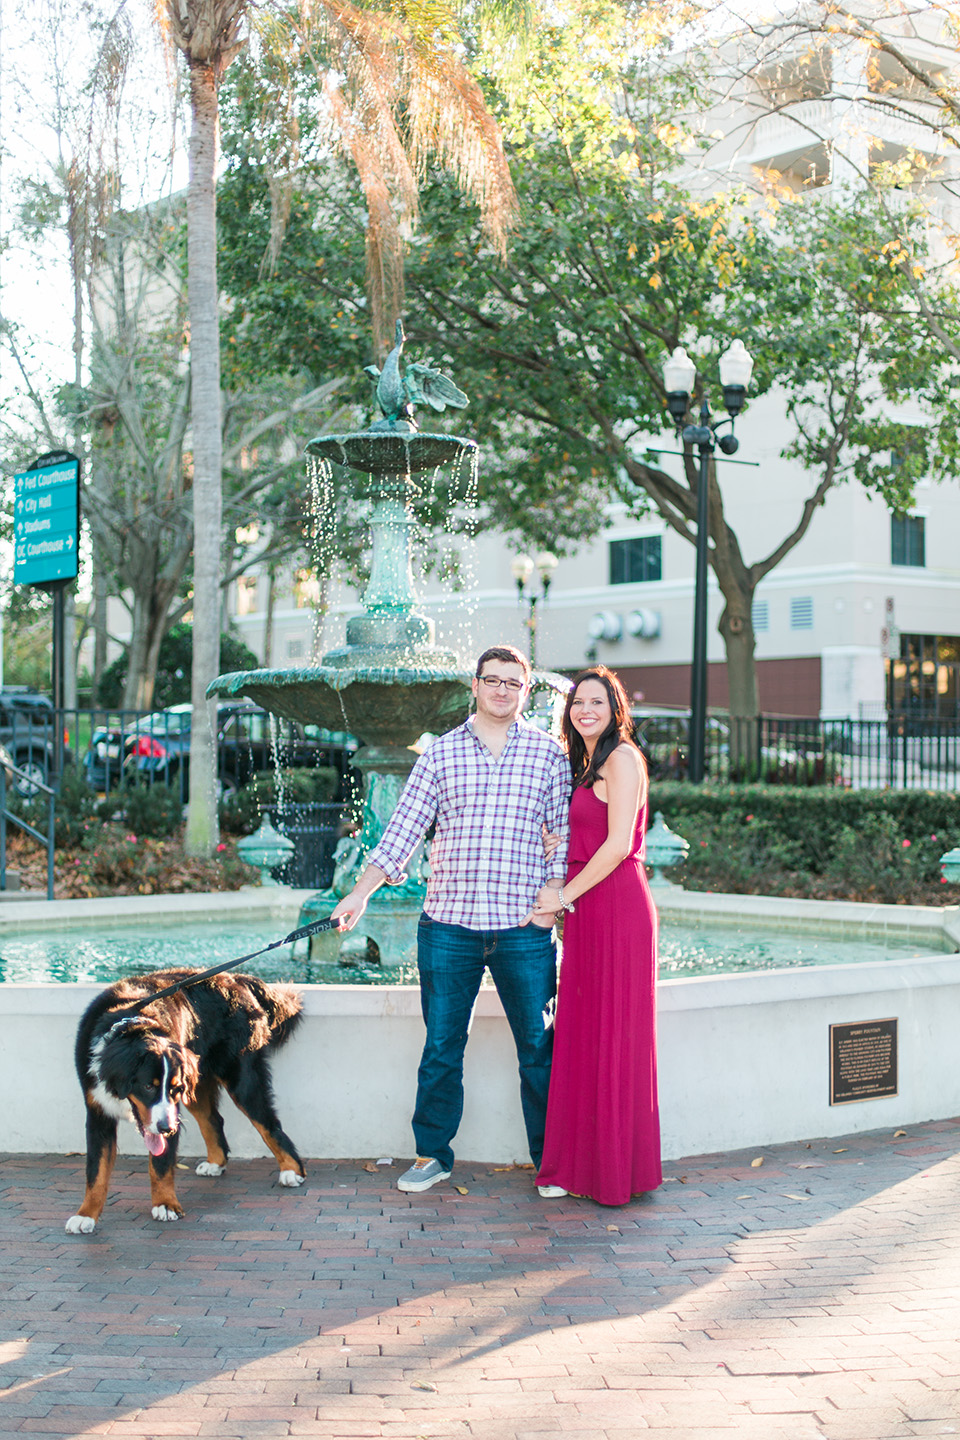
99	955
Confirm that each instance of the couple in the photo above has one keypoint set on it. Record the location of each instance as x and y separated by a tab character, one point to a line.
490	787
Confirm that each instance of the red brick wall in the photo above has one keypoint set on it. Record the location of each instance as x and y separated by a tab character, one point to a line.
787	687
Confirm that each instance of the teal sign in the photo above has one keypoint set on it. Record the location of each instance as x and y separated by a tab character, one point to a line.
46	520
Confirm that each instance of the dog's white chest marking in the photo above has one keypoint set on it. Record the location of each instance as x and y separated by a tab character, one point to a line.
116	1106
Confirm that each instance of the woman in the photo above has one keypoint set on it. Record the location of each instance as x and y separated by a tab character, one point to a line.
603	1127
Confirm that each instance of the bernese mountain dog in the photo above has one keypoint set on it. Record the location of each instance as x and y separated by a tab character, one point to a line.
141	1060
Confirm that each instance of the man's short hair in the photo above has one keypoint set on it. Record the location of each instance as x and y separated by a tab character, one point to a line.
508	654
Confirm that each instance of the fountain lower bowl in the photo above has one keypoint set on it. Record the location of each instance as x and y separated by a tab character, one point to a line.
381	704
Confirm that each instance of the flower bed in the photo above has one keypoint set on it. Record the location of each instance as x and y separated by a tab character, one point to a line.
110	859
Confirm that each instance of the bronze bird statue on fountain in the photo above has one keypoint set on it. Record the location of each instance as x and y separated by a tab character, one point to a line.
423	384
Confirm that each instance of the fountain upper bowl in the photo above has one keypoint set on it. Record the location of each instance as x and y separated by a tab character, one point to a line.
391	452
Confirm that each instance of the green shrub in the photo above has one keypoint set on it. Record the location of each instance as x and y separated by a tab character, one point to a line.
242	812
154	810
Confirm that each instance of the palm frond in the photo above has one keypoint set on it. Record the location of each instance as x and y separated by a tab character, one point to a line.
399	93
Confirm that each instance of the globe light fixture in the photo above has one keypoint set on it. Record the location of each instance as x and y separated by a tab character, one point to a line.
661	849
522	568
679	378
265	851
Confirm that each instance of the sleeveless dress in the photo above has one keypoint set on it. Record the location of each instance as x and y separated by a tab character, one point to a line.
603	1124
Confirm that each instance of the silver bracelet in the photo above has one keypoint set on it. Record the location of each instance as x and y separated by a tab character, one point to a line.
565	904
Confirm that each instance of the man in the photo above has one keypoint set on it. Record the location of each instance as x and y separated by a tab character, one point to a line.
490	786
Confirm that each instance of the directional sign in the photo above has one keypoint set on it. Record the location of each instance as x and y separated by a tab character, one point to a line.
46	520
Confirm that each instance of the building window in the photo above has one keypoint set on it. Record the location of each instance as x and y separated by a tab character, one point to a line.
907	540
635	560
801	612
246	594
924	680
761	615
294	649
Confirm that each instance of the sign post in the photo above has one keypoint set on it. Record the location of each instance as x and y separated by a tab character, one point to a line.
46	537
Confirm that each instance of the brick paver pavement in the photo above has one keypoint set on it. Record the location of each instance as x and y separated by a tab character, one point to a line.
814	1295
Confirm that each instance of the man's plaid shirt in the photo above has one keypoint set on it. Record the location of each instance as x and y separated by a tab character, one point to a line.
486	861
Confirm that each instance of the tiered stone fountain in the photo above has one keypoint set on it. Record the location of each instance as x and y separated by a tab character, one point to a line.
389	683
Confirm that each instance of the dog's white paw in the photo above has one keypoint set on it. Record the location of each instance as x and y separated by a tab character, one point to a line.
80	1225
207	1167
291	1178
161	1212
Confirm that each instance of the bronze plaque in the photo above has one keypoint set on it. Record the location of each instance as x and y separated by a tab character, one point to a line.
863	1061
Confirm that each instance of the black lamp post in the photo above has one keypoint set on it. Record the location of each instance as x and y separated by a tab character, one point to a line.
522	568
679	375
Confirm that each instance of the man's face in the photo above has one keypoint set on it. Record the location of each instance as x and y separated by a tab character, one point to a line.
502	700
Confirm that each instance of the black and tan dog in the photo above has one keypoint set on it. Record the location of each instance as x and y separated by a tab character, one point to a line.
142	1064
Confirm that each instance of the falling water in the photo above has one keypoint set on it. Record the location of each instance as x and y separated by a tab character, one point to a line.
321	506
461	528
278	771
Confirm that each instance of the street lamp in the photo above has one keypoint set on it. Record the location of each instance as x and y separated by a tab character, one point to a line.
679	375
522	569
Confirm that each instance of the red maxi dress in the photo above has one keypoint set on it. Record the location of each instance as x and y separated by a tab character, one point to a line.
603	1123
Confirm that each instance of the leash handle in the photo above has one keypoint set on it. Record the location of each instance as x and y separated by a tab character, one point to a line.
315	927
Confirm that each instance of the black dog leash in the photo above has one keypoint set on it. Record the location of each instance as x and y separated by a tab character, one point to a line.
316	927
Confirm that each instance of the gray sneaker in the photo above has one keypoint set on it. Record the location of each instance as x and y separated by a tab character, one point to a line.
422	1175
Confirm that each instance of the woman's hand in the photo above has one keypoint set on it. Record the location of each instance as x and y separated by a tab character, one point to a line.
545	908
550	844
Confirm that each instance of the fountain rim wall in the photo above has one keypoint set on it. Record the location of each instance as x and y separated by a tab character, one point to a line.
721	1040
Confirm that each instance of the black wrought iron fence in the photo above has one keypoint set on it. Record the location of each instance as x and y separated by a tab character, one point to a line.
114	747
900	753
897	753
12	777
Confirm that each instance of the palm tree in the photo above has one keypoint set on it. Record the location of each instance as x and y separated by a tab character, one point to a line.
370	63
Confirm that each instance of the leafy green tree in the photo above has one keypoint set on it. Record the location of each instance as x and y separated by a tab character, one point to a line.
613	264
173	668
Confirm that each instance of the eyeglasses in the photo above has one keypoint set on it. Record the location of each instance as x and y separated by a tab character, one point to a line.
493	682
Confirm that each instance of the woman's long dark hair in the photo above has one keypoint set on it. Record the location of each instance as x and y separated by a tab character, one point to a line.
618	732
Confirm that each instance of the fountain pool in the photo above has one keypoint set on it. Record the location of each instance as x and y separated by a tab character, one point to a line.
92	954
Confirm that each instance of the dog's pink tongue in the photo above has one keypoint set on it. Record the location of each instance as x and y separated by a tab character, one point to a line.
156	1144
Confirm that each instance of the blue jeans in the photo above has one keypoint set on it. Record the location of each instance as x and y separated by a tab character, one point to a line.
523	963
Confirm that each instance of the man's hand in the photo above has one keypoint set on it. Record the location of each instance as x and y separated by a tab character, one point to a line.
350	909
352	906
545	908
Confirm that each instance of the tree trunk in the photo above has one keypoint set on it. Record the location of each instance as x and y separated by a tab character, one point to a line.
148	629
736	627
268	616
205	407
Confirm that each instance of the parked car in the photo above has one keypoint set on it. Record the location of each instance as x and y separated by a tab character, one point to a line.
27	733
664	738
156	747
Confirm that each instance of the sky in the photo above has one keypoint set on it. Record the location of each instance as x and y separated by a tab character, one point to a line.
48	49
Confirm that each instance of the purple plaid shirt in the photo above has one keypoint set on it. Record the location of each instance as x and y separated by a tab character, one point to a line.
486	861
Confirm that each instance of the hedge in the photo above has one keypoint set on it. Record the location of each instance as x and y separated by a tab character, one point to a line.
829	843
